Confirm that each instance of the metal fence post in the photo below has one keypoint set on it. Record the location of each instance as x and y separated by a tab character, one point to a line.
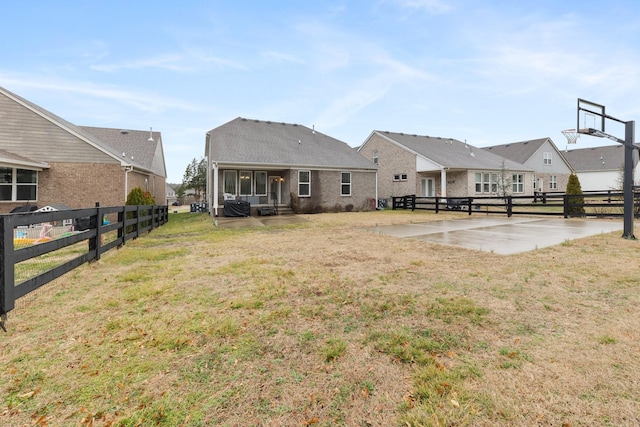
509	206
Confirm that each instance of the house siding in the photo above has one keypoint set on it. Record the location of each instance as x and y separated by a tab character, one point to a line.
30	135
392	160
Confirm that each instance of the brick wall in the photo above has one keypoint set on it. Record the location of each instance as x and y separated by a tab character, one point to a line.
392	160
81	185
326	191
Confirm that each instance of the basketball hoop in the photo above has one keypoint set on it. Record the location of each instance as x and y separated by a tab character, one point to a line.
572	135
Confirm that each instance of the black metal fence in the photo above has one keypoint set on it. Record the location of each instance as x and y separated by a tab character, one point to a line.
38	247
588	204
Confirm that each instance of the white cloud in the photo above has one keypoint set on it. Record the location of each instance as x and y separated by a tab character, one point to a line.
282	57
190	61
140	100
432	6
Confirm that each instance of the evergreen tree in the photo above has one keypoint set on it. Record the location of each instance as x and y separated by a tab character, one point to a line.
574	194
195	177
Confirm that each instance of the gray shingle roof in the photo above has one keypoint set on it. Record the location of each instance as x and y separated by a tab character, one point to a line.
606	158
451	153
519	152
256	142
135	144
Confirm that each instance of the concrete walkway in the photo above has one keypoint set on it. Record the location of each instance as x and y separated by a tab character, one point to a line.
503	236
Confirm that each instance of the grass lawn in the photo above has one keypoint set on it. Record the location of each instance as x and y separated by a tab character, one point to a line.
326	324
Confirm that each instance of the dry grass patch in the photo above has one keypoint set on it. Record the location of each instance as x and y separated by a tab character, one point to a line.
324	324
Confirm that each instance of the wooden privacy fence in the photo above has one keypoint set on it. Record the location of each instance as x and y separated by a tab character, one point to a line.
38	247
588	204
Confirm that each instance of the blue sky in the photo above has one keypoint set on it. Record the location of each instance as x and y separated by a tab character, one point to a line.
488	72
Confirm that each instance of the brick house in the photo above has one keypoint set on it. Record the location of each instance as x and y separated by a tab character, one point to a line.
287	165
551	168
45	160
441	167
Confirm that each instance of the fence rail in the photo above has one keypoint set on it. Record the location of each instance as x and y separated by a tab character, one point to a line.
38	247
588	204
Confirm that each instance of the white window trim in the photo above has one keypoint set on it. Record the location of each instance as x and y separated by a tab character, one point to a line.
15	184
546	158
255	181
250	179
226	175
304	183
342	184
517	185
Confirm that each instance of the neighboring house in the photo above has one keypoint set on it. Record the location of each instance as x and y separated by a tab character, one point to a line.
288	165
601	168
45	160
441	167
171	195
551	168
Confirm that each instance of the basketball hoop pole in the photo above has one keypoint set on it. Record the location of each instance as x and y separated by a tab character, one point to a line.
629	133
629	146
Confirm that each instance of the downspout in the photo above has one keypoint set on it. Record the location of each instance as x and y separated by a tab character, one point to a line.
376	208
127	169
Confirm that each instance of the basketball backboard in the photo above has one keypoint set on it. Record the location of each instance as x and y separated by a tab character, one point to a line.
591	116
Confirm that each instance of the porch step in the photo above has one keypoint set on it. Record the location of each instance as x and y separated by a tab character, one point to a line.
284	210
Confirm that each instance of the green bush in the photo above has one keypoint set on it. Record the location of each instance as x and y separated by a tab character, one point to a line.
574	194
139	197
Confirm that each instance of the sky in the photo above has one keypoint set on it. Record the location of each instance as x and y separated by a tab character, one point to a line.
484	72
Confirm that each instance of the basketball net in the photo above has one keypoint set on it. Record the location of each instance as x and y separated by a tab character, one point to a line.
572	135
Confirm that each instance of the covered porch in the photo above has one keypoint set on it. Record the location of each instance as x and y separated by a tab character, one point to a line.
260	189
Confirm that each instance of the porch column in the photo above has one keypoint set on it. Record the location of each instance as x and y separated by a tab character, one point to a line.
443	183
214	202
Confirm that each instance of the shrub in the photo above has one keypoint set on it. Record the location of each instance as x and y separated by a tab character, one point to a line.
574	194
139	197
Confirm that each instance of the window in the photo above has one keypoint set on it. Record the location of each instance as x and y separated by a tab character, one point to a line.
304	183
400	177
546	158
517	182
345	181
375	157
553	182
486	182
229	184
245	183
18	184
261	183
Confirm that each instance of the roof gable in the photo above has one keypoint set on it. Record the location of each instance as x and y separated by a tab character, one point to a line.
451	153
256	142
61	126
519	152
136	147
